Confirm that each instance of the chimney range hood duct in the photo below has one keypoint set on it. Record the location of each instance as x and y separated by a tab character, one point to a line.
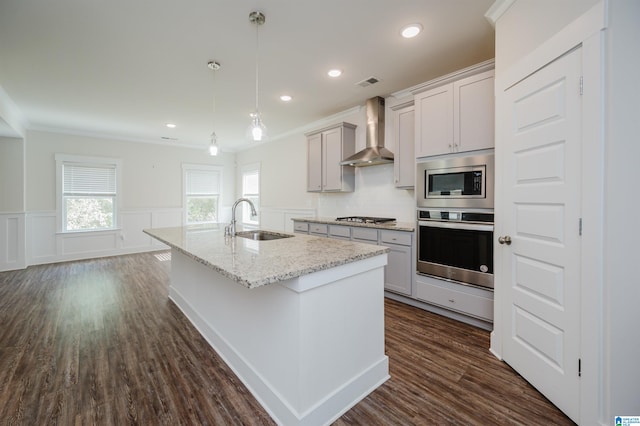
375	153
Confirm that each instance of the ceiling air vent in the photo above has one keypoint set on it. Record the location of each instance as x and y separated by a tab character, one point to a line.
368	81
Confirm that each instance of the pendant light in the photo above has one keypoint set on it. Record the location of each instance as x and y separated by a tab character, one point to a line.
213	144
257	131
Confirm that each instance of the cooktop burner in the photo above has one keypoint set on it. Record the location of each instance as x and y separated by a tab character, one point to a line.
365	219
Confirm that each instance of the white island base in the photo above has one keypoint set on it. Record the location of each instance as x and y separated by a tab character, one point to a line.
308	348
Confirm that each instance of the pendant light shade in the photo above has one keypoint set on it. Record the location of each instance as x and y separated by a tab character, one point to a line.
213	145
257	131
213	139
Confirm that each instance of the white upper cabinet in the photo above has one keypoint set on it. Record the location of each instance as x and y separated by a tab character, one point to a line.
474	111
326	149
314	162
404	156
455	117
434	121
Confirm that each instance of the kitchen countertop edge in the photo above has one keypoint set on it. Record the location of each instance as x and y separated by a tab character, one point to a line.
394	226
283	272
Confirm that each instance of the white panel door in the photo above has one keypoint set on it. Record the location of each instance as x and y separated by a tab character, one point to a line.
542	187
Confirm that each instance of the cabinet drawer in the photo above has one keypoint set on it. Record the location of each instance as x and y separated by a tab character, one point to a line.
470	304
365	234
339	231
396	237
318	228
301	226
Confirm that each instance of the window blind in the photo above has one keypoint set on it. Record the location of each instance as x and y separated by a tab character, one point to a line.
79	179
202	182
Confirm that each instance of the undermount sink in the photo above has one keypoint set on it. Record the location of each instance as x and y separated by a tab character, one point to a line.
262	235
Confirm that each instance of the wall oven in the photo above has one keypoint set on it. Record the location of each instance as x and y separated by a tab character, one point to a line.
461	181
456	245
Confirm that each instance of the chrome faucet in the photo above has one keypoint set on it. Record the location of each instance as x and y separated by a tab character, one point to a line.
231	228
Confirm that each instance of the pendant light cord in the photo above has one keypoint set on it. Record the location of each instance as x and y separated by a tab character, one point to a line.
213	117
257	69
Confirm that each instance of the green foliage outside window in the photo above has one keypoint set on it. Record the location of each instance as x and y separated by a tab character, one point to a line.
89	213
202	209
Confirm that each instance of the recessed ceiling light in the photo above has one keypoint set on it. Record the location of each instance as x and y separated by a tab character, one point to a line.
285	98
171	125
334	73
411	31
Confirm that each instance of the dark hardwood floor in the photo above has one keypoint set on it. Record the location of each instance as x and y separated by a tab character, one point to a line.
98	343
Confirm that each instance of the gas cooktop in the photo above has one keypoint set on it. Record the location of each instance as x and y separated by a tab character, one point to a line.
365	219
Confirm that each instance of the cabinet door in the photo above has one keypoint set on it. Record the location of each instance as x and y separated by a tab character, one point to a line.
332	156
314	162
474	112
434	121
405	131
398	272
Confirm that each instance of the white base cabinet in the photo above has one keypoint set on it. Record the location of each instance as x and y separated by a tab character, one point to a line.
399	272
469	304
468	300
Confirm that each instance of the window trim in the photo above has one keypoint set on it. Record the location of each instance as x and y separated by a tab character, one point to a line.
60	160
200	167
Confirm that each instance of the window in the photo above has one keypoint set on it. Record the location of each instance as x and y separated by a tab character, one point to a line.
202	193
88	192
251	190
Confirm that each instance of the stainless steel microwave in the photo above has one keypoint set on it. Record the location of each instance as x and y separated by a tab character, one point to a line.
462	181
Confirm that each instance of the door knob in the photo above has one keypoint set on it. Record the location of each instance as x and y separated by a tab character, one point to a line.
505	240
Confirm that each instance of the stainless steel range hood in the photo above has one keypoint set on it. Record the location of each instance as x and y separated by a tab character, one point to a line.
375	153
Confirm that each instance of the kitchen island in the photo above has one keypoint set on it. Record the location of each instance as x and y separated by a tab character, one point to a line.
300	320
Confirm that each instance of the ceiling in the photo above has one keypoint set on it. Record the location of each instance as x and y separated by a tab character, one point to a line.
123	68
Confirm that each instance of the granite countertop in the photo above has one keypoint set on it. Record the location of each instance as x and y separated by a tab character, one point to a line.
257	263
391	226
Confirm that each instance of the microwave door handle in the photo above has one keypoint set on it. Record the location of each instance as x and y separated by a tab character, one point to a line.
457	225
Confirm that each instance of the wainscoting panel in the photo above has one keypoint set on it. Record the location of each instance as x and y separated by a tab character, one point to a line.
46	245
41	237
132	225
12	241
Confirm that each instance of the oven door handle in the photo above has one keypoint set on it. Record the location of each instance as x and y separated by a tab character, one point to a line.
457	225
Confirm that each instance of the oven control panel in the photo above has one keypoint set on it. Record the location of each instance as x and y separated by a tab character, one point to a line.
455	216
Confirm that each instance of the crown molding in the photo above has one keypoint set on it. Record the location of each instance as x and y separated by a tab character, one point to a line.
445	79
497	9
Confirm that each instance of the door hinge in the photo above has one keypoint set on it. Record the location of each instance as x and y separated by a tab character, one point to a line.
581	85
580	226
579	367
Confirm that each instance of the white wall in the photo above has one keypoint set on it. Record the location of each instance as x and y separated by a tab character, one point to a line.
151	194
151	173
284	177
11	175
283	172
516	36
622	151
